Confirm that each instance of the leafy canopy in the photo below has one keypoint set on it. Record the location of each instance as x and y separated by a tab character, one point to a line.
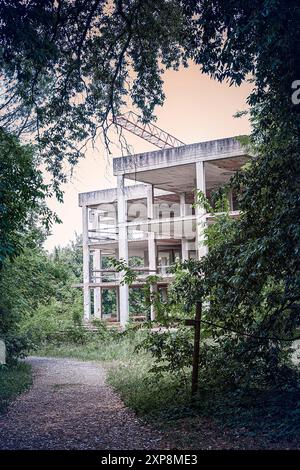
68	67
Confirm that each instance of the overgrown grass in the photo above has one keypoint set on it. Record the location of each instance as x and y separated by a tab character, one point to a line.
13	380
109	347
150	396
95	351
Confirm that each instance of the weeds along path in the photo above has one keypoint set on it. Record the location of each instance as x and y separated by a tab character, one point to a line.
70	406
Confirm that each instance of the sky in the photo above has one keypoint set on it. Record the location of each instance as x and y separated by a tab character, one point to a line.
197	108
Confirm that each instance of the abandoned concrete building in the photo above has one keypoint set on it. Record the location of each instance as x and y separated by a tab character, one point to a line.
150	217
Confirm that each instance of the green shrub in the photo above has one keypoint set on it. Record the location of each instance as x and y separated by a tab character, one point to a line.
54	322
242	406
172	351
16	346
13	381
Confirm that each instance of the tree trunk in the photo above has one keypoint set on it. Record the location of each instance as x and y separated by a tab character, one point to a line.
196	357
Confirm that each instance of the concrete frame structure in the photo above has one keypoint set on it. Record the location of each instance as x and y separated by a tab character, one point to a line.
155	220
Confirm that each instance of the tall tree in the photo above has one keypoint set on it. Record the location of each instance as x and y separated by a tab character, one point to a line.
22	195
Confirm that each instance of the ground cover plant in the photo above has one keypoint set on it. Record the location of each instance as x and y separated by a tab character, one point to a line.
13	381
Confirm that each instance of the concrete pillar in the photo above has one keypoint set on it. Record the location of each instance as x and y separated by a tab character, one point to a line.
151	241
123	251
150	201
118	303
86	266
200	211
97	290
184	241
2	352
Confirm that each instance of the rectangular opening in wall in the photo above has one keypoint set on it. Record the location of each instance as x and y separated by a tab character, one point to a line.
109	304
235	205
138	311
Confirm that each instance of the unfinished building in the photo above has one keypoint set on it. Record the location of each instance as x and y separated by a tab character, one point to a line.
150	218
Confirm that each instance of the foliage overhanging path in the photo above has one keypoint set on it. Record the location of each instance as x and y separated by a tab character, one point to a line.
71	407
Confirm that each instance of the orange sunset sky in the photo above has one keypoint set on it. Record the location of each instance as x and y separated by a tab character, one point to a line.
196	109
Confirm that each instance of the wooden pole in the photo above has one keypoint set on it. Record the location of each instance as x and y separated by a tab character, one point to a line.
196	358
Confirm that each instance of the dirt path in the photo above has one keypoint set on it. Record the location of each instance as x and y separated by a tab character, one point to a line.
71	407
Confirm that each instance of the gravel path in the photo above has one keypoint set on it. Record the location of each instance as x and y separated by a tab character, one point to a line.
70	406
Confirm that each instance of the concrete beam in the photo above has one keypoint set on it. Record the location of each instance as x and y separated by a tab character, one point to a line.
202	151
108	196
